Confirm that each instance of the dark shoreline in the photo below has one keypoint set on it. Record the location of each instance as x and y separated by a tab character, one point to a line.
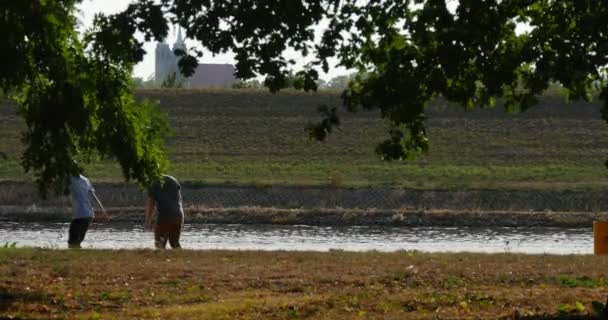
330	217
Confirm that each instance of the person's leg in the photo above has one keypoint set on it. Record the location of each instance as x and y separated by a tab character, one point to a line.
174	234
72	235
83	228
160	236
75	234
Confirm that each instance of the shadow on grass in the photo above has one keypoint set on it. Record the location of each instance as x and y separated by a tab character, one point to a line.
9	298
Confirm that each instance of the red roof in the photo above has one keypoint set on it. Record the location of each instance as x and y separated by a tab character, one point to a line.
213	75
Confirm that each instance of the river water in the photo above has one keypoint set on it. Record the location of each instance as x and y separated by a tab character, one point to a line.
313	238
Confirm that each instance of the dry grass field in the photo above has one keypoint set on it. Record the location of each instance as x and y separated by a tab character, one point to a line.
98	284
256	138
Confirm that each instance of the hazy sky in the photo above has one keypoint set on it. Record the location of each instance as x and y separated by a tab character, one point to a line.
145	68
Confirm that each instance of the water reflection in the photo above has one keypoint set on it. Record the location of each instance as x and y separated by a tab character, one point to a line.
314	238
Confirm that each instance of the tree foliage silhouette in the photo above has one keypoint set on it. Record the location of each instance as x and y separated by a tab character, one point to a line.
405	53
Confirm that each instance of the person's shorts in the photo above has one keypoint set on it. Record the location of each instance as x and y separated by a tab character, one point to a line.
167	232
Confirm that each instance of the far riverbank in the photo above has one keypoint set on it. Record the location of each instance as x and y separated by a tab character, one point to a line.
331	206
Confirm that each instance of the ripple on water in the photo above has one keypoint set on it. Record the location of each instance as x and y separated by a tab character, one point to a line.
315	238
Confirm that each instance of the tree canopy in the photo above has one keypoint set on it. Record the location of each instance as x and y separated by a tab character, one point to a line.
405	53
75	94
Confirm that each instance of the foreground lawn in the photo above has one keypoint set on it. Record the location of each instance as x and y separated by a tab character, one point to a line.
101	284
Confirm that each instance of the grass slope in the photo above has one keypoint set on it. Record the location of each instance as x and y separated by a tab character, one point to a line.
249	137
98	284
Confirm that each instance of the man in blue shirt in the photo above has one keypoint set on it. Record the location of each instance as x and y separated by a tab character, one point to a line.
165	199
81	192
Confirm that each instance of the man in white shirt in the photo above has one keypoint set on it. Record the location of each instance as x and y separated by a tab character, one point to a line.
81	191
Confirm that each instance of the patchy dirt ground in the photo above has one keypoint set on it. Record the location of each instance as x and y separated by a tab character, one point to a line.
99	284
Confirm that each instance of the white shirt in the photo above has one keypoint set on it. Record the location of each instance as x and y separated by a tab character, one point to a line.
81	200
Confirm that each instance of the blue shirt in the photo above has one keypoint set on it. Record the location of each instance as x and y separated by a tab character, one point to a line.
81	200
168	198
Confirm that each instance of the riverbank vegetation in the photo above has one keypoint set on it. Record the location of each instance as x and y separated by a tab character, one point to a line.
241	137
145	284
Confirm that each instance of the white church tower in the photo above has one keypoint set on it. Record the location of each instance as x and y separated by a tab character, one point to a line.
205	75
166	61
179	43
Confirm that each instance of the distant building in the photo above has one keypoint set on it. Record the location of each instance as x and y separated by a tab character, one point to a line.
205	75
213	75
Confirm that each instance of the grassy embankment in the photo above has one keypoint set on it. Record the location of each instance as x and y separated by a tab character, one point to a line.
45	284
245	137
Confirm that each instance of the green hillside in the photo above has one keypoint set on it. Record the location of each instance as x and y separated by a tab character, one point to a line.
253	137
